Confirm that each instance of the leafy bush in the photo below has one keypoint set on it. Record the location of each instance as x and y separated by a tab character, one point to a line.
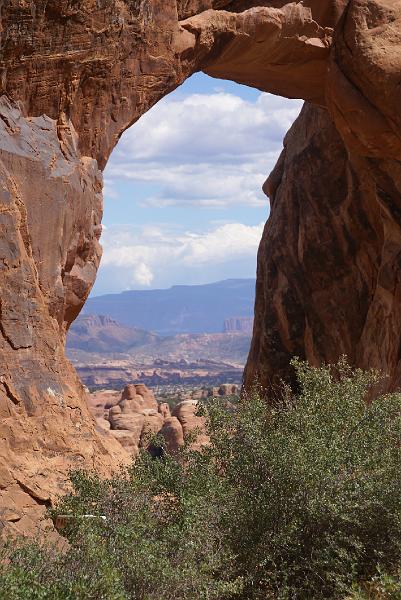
381	587
297	499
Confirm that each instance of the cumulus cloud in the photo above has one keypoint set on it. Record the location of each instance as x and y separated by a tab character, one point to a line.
159	255
209	150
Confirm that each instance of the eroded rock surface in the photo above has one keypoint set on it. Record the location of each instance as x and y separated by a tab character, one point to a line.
137	417
74	75
50	211
333	287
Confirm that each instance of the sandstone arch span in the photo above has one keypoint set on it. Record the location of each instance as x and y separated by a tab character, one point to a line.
74	75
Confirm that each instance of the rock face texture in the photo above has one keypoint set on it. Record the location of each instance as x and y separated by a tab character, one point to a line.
333	287
50	210
74	76
315	291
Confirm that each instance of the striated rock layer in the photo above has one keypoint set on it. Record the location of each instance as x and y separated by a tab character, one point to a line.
74	76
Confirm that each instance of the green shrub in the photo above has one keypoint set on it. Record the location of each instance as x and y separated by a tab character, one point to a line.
299	499
380	587
315	485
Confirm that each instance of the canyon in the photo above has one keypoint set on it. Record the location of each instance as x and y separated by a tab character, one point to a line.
74	76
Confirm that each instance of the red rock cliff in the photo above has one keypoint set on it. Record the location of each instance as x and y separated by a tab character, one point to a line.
329	262
74	76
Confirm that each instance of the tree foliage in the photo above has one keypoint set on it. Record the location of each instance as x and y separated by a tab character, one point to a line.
299	498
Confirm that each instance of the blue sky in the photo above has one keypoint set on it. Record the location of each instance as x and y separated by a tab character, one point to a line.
183	198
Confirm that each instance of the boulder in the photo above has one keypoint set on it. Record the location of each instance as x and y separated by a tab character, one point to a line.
164	410
103	424
137	397
131	422
228	389
128	440
115	410
173	433
191	424
153	423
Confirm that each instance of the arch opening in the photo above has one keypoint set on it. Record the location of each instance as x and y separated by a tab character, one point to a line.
184	215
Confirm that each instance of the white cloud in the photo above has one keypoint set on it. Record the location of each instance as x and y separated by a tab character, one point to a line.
225	243
208	125
140	257
209	150
142	275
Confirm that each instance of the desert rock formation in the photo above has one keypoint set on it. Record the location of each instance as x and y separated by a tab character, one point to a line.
242	324
74	76
333	287
101	333
136	417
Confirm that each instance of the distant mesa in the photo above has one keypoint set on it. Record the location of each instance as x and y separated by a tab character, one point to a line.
114	373
183	334
108	353
102	333
238	324
179	309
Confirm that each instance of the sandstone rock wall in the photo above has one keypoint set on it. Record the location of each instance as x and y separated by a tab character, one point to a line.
333	286
50	211
319	258
74	76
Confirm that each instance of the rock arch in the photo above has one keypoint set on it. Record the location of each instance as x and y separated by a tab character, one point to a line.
74	76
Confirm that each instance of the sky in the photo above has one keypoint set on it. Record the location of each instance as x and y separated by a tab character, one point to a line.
183	188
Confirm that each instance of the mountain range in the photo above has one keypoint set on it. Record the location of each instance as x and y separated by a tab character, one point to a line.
179	309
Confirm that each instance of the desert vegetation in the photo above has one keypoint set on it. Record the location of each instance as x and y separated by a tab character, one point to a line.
296	498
